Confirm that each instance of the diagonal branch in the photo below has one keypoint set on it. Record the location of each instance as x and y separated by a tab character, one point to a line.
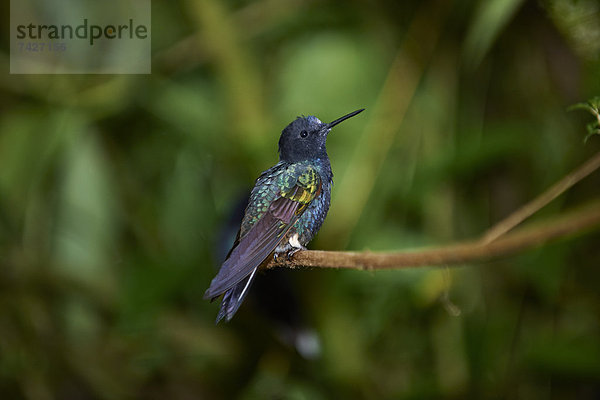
542	200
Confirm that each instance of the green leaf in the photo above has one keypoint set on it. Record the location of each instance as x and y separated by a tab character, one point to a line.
593	107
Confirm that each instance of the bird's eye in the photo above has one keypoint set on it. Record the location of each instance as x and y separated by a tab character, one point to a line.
303	134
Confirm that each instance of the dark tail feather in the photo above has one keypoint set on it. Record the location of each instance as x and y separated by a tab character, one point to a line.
233	298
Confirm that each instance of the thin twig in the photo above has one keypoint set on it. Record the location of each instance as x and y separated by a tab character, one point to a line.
475	251
542	200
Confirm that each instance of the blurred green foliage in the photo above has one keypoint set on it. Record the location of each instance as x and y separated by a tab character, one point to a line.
113	190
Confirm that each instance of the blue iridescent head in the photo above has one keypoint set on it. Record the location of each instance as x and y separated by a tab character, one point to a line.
305	137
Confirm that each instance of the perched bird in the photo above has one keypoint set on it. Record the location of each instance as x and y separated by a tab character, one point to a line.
287	207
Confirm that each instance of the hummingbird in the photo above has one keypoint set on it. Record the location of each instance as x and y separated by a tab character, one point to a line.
286	209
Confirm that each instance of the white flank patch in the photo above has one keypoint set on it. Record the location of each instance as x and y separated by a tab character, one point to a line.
294	241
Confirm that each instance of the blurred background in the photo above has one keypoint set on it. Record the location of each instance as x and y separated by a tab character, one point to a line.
118	194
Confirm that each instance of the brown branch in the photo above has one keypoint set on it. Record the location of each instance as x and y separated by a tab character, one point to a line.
493	244
475	251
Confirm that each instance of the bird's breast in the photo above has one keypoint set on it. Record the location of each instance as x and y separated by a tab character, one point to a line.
312	219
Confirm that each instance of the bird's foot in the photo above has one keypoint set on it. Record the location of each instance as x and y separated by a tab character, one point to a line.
294	250
296	246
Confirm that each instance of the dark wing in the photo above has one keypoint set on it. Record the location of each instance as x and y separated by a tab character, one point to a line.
264	236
